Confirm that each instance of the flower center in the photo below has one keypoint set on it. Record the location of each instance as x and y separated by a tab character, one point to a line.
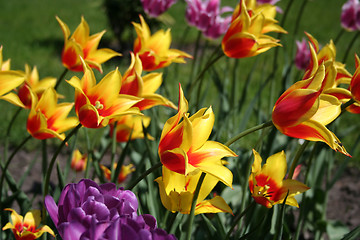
98	105
263	191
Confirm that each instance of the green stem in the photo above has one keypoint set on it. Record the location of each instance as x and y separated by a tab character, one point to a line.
296	159
193	206
196	50
61	78
52	161
4	169
347	104
143	175
201	74
113	153
248	131
350	46
238	218
9	130
339	35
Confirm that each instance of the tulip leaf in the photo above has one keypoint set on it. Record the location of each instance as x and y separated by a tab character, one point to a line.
352	235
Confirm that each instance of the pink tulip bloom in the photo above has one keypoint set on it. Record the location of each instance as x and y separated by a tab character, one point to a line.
156	7
350	15
302	57
205	15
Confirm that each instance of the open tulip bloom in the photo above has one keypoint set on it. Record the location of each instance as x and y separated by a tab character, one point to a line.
96	104
143	86
37	86
177	192
26	228
47	118
81	44
246	36
154	50
267	184
184	147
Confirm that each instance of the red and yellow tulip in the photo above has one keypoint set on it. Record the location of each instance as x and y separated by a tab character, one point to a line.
184	147
47	118
305	108
246	36
26	228
154	50
177	191
267	184
32	82
144	87
78	161
131	124
125	171
81	44
96	104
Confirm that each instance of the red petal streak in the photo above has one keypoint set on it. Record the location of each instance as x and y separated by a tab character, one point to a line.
288	112
238	47
171	140
70	59
174	162
303	132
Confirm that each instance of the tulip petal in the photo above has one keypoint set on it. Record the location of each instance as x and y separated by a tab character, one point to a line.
275	167
298	106
314	131
9	80
214	205
329	109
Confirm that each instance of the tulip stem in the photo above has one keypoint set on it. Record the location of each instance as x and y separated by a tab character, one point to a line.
296	159
350	46
201	74
143	175
347	104
52	162
238	218
193	206
4	169
248	131
61	78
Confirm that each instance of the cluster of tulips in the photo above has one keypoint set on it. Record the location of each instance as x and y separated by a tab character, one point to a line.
192	165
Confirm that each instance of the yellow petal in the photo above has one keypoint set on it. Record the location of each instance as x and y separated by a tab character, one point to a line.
329	109
152	82
13	99
256	167
202	124
275	167
33	218
214	205
9	80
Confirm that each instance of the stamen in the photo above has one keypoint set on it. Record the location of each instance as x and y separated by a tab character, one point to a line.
98	105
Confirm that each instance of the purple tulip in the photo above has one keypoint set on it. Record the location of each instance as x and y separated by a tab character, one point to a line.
156	7
89	211
206	16
350	18
303	55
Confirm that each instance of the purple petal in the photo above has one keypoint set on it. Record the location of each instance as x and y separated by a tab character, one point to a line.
99	209
71	230
52	209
